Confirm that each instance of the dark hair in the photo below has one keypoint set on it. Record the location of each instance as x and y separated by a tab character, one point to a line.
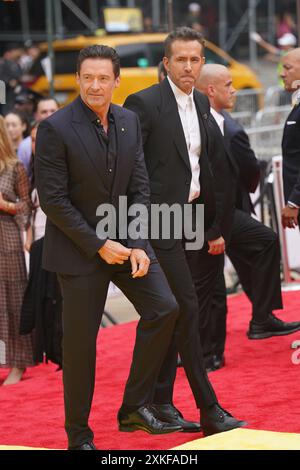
99	51
161	70
22	117
182	34
47	98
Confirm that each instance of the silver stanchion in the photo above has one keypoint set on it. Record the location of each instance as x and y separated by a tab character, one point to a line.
279	203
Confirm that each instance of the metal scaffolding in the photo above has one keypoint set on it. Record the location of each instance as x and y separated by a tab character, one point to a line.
161	12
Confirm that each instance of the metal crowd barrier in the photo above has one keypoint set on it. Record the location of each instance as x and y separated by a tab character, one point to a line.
277	96
266	141
258	107
279	203
249	100
273	115
244	118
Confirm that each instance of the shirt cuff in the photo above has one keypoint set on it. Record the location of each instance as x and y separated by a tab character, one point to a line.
293	205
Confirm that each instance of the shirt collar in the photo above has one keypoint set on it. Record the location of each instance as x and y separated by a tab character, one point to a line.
180	96
92	116
219	119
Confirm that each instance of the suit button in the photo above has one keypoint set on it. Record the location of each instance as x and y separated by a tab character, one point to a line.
187	182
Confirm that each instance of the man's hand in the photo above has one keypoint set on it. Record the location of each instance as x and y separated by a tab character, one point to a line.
216	247
289	217
114	253
256	37
139	263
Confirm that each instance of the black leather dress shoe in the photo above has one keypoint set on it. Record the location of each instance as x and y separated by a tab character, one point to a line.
143	419
169	414
215	419
85	446
272	327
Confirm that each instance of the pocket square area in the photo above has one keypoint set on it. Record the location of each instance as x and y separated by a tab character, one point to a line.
290	123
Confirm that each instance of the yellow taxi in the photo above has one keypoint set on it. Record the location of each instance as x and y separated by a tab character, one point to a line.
139	54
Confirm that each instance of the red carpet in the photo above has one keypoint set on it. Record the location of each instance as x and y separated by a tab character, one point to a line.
259	384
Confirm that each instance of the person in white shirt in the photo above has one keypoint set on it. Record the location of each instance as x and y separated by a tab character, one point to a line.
177	140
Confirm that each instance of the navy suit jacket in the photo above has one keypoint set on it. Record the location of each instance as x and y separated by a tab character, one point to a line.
248	165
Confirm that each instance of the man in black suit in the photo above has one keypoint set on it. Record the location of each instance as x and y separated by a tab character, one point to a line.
177	140
291	142
252	247
88	155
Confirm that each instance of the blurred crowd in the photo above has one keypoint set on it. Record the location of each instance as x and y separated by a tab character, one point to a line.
35	332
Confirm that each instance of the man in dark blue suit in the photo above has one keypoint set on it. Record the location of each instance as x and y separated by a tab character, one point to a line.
252	247
291	142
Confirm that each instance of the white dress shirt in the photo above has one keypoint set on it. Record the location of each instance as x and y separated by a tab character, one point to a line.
218	118
190	123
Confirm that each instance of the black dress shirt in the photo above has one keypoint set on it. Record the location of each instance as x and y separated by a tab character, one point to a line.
107	142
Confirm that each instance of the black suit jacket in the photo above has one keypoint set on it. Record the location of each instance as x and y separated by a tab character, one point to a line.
248	165
291	157
69	177
166	153
226	175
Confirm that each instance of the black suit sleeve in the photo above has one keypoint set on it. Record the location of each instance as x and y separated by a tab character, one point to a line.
52	181
249	169
139	190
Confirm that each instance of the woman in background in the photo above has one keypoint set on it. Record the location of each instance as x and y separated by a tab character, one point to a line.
15	210
17	127
42	305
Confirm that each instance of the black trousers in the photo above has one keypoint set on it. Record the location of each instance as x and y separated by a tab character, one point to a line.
83	303
205	269
255	254
186	340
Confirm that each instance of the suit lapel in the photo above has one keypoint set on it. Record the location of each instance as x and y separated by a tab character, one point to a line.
202	118
173	122
121	137
86	133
